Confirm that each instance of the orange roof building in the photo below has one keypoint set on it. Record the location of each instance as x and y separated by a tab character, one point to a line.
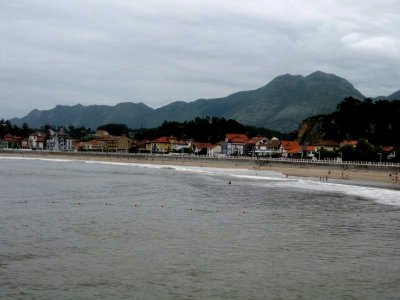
290	148
11	141
351	143
327	145
161	144
236	138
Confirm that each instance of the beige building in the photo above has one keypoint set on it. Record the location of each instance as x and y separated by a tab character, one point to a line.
115	144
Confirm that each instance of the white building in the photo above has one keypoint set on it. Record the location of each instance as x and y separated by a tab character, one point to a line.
37	141
235	144
58	141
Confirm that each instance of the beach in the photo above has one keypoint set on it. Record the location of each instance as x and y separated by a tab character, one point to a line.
323	172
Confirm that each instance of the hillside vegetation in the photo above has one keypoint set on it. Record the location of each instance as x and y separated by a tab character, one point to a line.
377	122
280	105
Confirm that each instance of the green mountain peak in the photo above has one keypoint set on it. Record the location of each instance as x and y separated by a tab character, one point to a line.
281	105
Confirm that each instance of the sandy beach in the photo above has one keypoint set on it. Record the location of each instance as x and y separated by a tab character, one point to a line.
321	172
327	174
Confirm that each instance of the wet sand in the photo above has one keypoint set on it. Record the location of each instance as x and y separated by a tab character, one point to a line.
326	174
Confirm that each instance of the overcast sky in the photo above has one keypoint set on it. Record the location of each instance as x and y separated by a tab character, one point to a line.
159	51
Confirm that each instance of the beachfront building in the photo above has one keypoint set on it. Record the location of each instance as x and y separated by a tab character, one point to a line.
10	141
290	149
327	150
202	148
390	152
308	151
181	146
266	147
215	150
123	144
140	145
24	143
110	143
327	146
92	145
161	145
270	148
254	144
37	141
235	144
58	141
351	143
107	144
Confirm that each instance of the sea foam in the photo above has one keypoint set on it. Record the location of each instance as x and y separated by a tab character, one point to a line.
380	195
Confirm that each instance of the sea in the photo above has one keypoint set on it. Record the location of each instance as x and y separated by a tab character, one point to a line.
108	230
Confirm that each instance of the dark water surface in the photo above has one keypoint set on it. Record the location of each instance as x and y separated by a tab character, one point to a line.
185	233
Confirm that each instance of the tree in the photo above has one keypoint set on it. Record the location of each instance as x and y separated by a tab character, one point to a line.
115	129
208	130
25	131
364	151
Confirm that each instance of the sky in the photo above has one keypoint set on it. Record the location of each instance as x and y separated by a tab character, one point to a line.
158	51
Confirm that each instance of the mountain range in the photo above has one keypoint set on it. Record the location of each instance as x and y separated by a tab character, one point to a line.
280	105
394	96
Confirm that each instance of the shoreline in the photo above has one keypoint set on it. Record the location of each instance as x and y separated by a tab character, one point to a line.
323	172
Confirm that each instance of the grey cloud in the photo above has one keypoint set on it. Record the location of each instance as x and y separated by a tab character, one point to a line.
104	52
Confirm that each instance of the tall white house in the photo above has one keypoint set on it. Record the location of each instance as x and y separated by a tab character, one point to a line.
58	141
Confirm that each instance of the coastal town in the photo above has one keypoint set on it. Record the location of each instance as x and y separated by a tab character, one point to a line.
234	144
200	150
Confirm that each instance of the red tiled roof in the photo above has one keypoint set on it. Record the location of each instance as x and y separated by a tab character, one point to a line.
163	139
328	144
8	137
388	148
309	148
349	143
290	145
93	143
11	138
294	150
202	145
236	137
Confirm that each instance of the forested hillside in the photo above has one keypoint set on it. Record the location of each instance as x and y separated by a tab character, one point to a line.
377	122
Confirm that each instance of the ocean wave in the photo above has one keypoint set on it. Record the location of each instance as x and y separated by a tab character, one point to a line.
35	158
380	195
